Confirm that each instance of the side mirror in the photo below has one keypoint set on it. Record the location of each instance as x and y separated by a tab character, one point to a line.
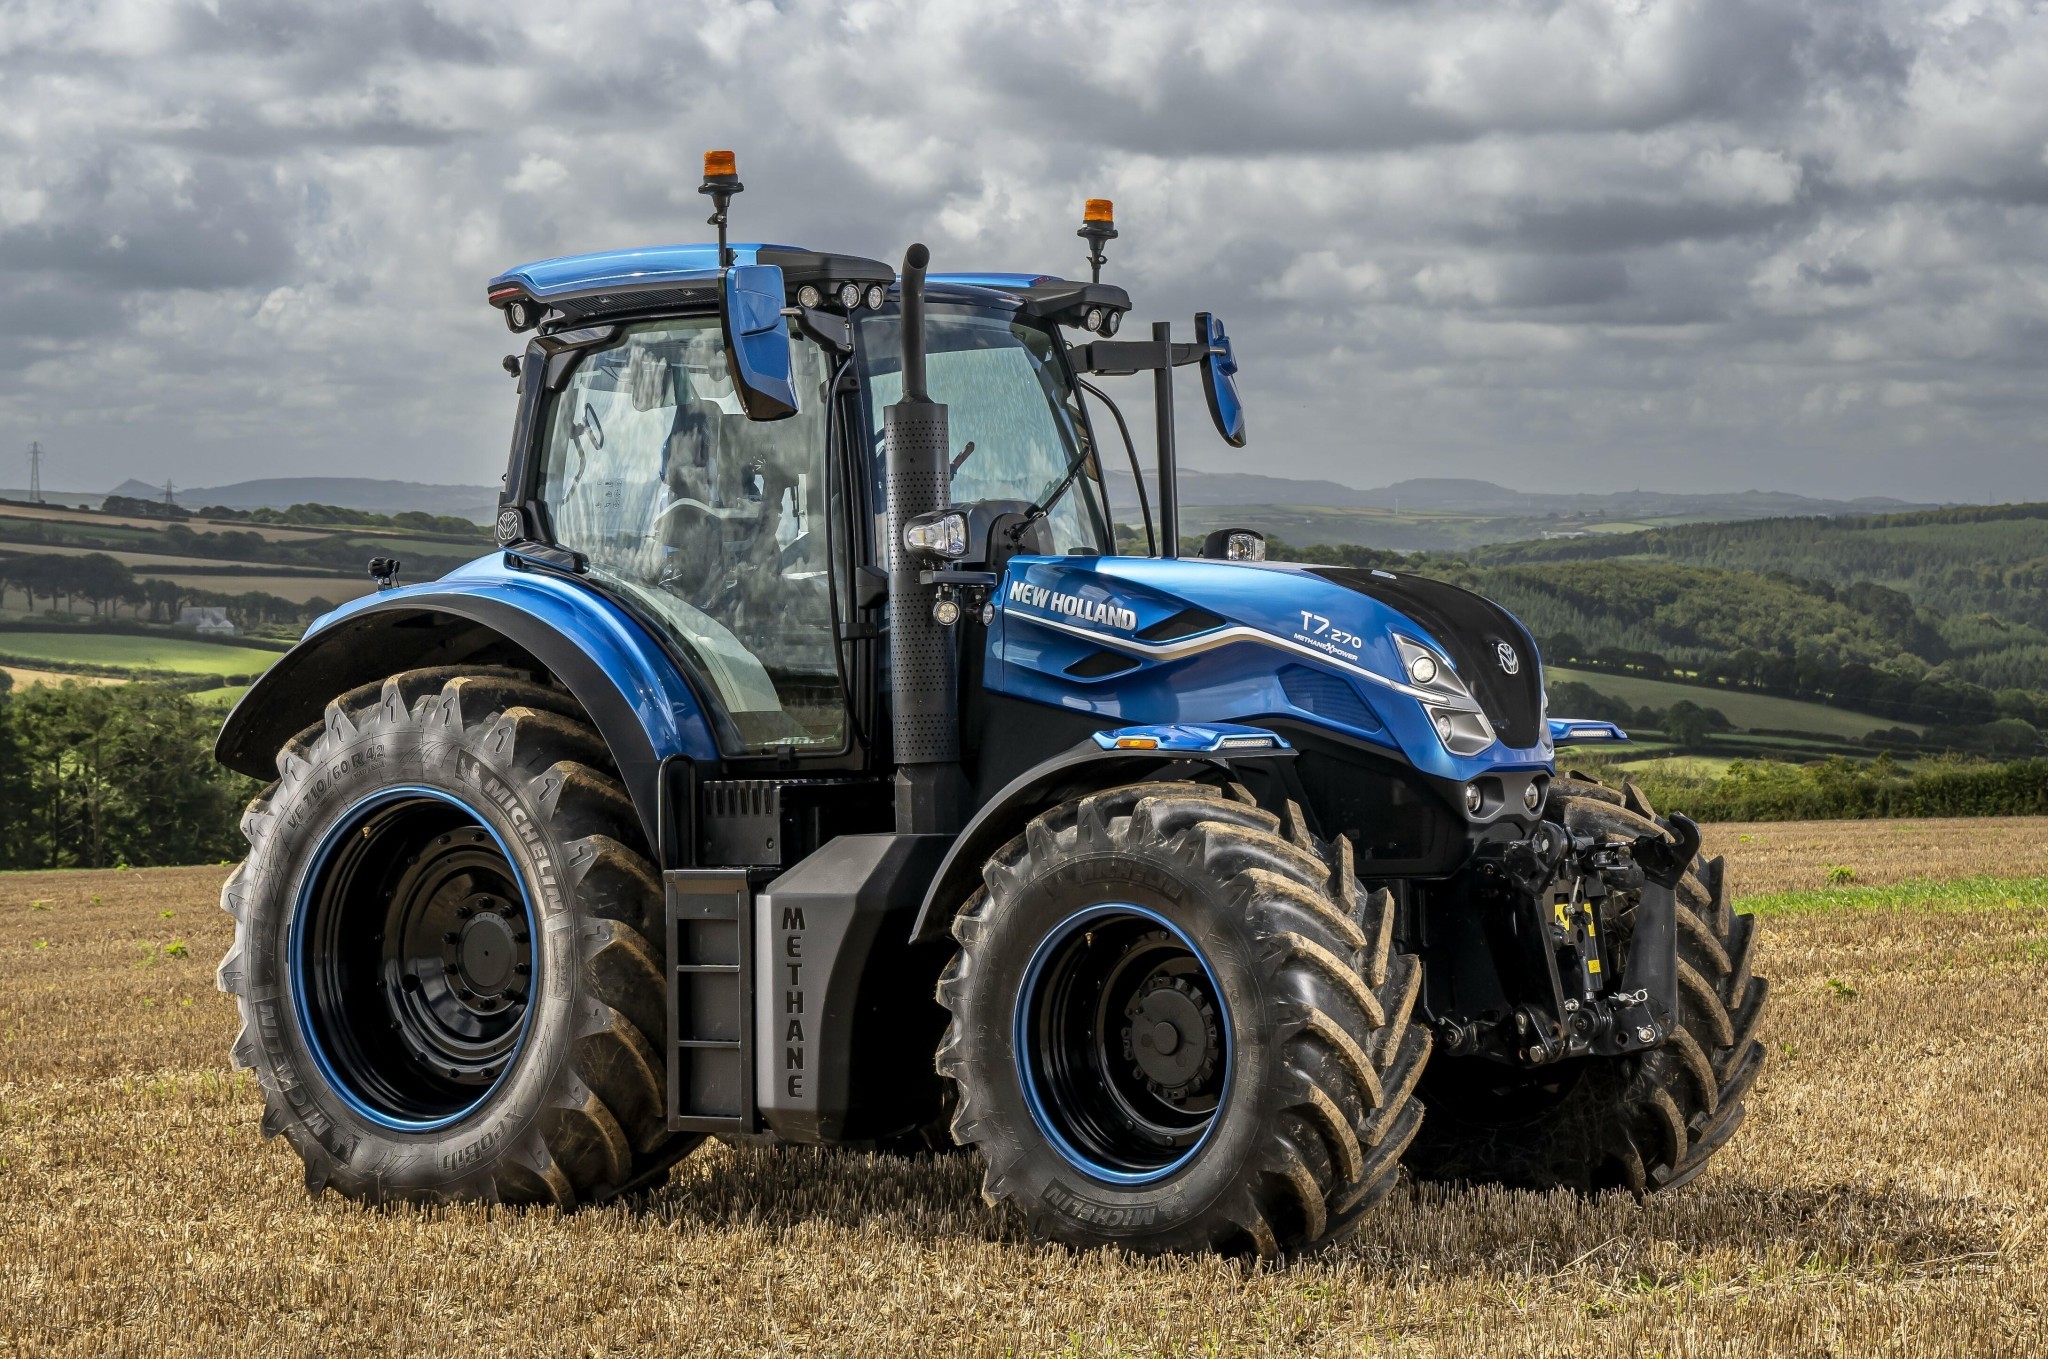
756	341
1219	379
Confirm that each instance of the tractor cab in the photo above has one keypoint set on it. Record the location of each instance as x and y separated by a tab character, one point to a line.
750	543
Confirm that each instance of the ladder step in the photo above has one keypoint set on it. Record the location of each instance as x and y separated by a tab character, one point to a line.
721	1044
707	967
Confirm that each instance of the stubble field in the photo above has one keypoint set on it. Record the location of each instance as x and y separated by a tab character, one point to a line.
1887	1196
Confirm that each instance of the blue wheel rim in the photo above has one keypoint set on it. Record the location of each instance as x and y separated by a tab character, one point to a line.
334	1012
1135	1154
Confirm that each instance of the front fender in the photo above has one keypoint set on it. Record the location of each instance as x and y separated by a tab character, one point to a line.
1083	768
641	702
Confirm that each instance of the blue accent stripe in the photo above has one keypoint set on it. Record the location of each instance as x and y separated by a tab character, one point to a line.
1021	1043
344	826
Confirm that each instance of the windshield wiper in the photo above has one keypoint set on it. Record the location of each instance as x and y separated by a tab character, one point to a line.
1041	507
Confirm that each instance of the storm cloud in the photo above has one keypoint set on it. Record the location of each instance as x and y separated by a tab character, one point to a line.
1693	246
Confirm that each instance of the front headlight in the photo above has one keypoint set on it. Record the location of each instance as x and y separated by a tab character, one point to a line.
1462	732
1428	670
938	535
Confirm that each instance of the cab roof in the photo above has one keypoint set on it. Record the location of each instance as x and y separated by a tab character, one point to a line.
687	276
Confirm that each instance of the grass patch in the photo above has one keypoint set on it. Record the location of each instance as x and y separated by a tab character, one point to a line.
120	652
1914	894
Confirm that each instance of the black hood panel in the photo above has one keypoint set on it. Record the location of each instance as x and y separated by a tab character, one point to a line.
1472	630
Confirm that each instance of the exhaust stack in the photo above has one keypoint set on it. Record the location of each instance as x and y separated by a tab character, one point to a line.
931	792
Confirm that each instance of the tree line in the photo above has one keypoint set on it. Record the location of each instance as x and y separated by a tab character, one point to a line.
1843	789
106	586
311	514
95	776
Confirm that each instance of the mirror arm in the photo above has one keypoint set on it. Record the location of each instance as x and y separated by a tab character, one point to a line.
1121	358
833	332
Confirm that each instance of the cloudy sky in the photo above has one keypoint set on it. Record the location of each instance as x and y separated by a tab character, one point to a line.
1704	246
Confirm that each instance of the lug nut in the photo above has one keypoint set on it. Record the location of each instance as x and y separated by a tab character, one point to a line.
451	938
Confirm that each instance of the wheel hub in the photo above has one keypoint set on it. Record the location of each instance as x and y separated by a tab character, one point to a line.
484	959
1171	1036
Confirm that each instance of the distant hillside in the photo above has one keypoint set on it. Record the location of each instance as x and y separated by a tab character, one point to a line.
1964	562
1464	495
1452	513
477	503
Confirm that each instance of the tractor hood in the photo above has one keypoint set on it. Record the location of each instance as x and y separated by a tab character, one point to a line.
1140	640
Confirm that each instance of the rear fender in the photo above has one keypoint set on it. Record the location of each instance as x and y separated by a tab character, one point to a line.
640	701
1084	768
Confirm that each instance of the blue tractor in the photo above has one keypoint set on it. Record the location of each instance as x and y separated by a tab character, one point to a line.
810	763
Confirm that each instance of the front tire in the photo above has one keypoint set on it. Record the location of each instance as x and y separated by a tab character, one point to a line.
1177	1024
446	958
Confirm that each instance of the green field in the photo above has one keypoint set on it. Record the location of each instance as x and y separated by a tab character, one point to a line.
1749	711
186	656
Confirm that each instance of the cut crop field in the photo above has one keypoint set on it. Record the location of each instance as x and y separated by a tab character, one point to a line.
124	651
1889	1194
24	676
1749	711
134	560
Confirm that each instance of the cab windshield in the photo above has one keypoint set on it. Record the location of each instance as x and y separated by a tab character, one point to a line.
713	523
1014	420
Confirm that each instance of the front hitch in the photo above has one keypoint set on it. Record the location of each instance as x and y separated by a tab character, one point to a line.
1564	889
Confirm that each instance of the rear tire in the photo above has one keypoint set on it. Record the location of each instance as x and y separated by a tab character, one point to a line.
1644	1122
447	956
1177	1024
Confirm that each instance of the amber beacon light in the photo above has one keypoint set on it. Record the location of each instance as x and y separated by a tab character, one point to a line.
1098	225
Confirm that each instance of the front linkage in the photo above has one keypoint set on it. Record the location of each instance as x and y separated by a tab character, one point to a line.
1597	919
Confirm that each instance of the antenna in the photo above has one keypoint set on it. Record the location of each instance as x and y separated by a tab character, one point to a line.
35	472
